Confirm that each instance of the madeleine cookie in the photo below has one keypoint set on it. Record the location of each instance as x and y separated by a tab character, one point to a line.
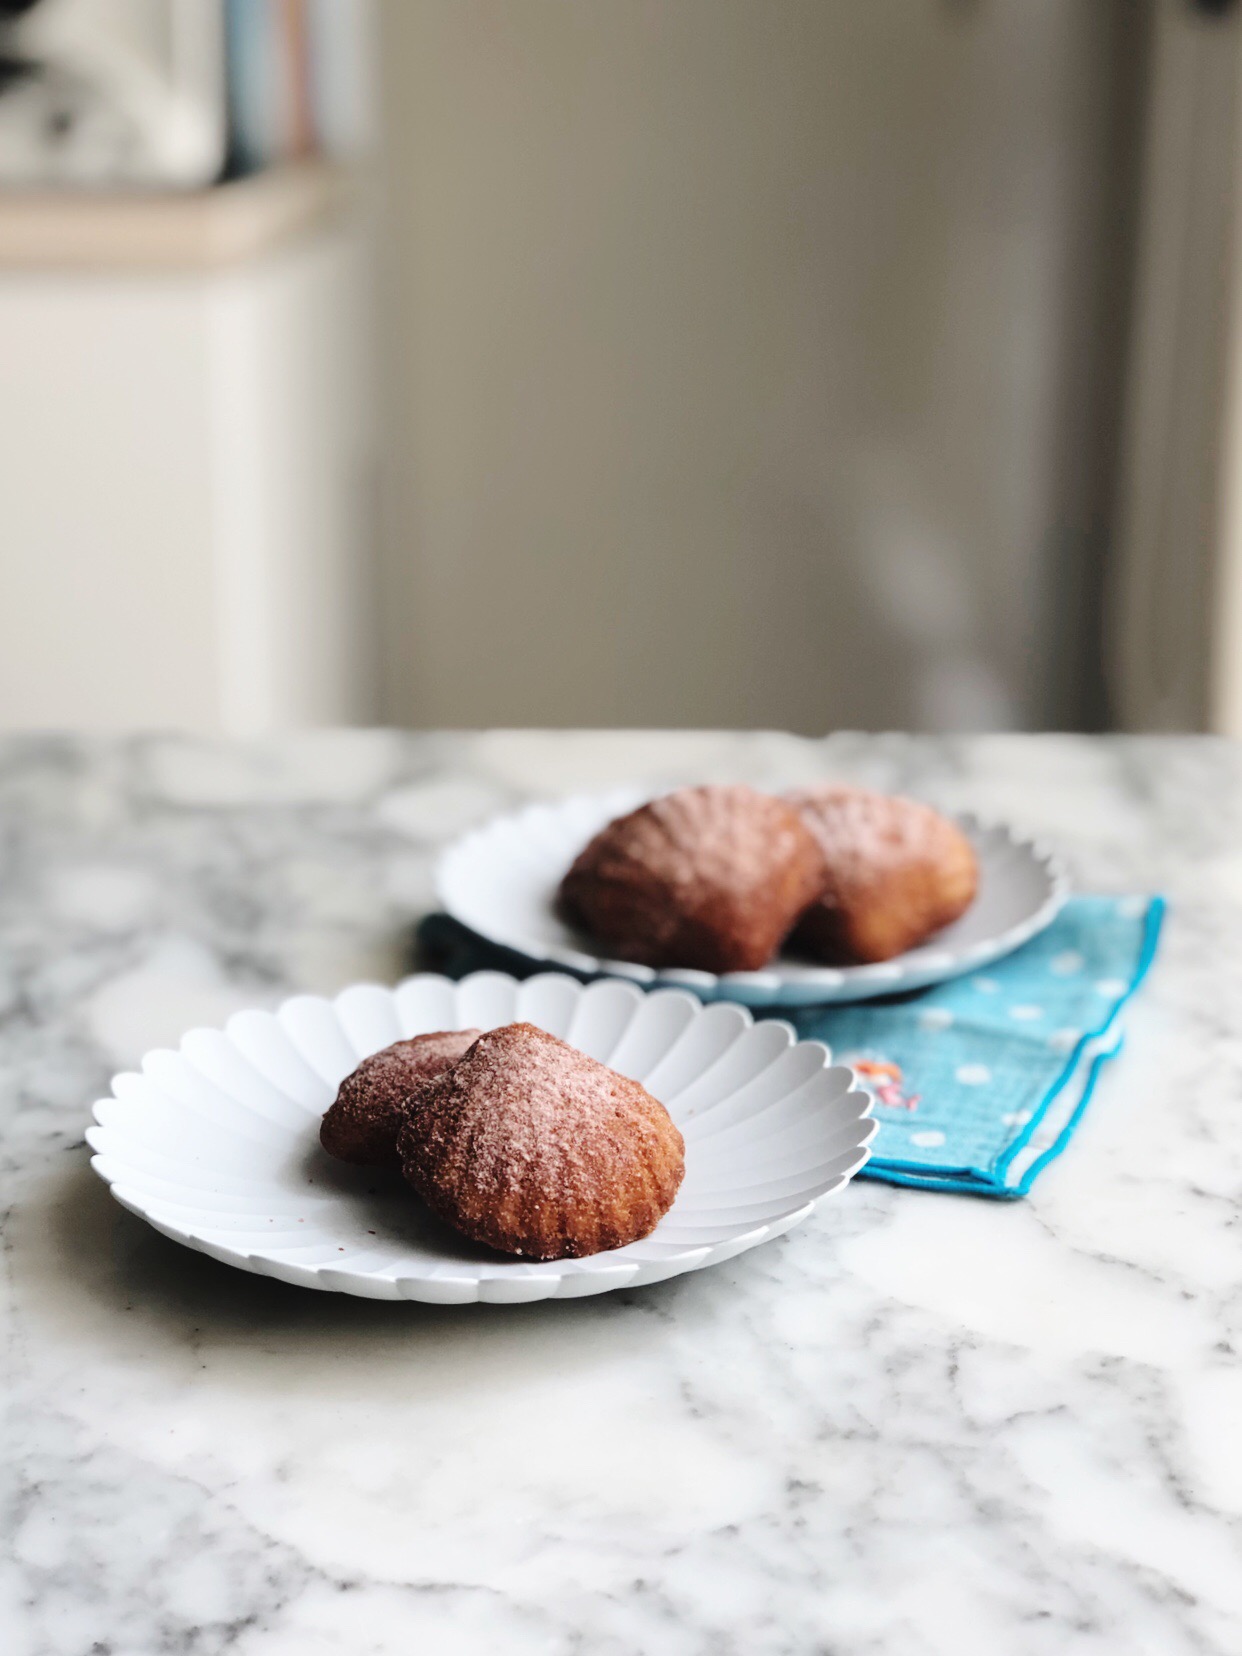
897	871
362	1125
710	878
531	1147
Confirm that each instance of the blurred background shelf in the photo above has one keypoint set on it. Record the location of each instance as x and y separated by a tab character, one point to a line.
43	229
186	427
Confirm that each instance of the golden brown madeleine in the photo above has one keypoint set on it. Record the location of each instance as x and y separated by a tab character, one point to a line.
533	1148
710	877
363	1124
897	872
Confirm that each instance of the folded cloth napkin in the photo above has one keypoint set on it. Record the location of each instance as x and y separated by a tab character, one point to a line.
980	1082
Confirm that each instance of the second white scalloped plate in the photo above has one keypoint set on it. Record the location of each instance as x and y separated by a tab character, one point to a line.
217	1144
501	882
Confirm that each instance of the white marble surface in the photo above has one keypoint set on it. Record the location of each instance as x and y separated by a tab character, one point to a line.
919	1424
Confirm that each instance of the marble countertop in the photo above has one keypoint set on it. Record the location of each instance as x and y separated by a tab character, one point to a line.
918	1424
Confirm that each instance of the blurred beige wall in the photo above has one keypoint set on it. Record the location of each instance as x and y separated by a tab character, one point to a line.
751	362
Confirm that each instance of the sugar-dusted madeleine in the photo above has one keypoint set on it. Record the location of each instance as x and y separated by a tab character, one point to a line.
897	871
362	1125
531	1147
710	878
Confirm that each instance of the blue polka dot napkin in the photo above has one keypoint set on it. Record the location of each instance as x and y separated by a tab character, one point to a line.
978	1083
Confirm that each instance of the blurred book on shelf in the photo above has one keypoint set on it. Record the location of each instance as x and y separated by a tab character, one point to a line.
114	94
297	81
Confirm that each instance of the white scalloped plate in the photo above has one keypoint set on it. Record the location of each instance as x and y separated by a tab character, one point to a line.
501	882
217	1144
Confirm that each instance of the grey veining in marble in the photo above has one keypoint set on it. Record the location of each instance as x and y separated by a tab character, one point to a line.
919	1424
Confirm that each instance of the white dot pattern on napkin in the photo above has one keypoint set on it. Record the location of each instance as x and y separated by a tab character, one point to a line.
973	1075
1064	1040
1066	964
1026	1014
1111	987
928	1139
936	1017
986	985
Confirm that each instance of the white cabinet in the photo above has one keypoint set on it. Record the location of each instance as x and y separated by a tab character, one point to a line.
185	460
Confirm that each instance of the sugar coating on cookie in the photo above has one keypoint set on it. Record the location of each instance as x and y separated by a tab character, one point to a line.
709	878
362	1125
897	871
533	1148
